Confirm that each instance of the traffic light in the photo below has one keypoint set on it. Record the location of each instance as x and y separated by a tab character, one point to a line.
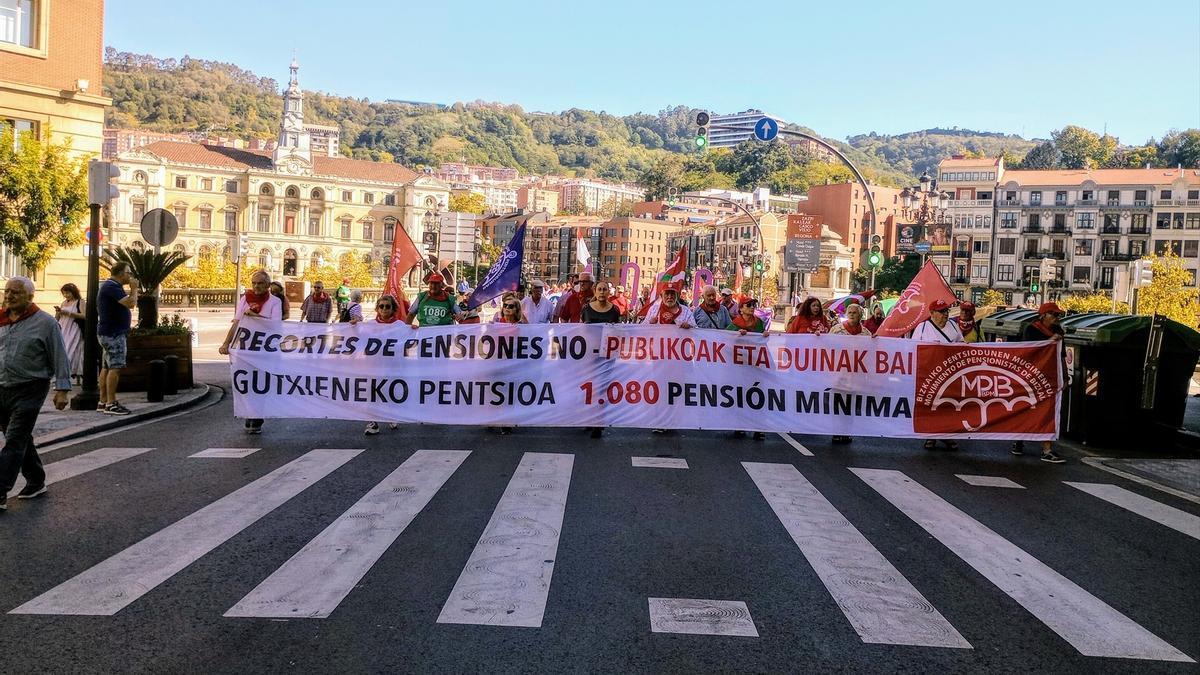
1049	272
702	120
241	249
1143	273
1035	285
100	176
758	265
875	257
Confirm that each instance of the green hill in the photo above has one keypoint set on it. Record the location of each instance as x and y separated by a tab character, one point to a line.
920	151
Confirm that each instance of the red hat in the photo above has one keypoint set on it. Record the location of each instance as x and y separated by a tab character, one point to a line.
967	307
1050	308
675	286
435	277
939	305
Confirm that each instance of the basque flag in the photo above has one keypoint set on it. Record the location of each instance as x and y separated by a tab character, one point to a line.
504	274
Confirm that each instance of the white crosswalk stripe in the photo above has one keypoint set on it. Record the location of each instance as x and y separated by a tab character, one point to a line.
1086	622
1181	521
506	581
315	580
81	464
224	453
881	605
107	588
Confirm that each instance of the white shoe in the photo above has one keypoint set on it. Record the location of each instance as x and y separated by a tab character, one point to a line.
393	425
372	429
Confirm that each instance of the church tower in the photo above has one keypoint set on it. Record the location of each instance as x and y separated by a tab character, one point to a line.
294	152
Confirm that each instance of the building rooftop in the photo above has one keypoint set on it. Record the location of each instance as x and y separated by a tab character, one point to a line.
1101	176
260	160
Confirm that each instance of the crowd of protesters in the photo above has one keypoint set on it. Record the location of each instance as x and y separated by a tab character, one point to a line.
581	299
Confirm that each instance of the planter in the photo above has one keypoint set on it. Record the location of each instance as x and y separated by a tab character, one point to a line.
145	348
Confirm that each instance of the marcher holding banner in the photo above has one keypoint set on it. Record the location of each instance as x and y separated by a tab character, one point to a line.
709	312
667	309
938	328
601	310
387	311
852	326
256	302
747	321
810	318
510	310
434	307
1046	327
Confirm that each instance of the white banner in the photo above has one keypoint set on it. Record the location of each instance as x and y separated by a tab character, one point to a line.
625	375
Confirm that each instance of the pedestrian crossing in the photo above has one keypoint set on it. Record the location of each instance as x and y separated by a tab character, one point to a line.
509	577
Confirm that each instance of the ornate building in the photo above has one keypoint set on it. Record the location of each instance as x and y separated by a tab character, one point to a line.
297	207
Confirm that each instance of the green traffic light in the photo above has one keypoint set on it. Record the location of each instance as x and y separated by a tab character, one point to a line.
873	260
701	141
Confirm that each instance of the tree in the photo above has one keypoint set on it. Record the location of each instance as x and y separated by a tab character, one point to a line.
1092	302
1169	293
664	173
991	298
1081	148
1044	156
895	275
350	266
1180	148
471	202
43	196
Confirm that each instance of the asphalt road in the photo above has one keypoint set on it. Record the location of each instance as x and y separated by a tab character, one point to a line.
864	572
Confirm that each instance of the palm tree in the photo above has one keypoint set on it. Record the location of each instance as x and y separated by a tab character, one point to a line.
150	269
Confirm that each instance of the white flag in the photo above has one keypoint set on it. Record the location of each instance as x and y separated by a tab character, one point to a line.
581	252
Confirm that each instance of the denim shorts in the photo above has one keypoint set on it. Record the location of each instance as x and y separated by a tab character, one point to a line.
114	351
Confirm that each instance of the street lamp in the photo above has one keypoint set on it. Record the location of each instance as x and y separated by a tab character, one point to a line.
924	205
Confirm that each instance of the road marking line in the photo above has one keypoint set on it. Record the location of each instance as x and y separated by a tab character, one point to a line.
1083	620
1180	521
316	580
659	462
881	605
701	617
81	464
1098	463
989	481
226	453
507	579
796	444
107	588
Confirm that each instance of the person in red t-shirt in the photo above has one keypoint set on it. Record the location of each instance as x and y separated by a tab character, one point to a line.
573	306
810	318
621	301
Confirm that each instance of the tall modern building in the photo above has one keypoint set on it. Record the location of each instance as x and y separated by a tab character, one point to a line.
724	138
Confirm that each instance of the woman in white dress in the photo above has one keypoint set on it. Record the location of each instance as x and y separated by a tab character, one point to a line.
70	321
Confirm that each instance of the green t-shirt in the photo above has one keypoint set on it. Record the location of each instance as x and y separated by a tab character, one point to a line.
432	312
343	293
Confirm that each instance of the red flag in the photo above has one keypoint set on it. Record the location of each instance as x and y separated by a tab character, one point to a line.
739	279
673	274
913	306
405	256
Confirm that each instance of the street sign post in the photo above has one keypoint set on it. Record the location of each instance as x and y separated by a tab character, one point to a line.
766	129
159	228
802	253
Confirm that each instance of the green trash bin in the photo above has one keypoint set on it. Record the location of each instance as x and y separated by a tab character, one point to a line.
1006	325
1115	392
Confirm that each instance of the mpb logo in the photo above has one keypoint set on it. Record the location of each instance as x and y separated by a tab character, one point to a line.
985	390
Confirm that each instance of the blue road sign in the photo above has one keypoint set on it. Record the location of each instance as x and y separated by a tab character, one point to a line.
922	247
766	129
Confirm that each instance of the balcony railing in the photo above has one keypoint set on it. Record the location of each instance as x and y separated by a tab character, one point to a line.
959	280
1103	285
970	203
1060	230
1032	229
1110	229
1140	230
1140	202
1008	202
1118	257
1081	282
1008	226
1038	255
1086	202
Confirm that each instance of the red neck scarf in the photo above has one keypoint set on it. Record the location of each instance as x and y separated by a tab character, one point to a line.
744	323
515	319
1043	329
715	307
440	297
380	319
320	297
666	315
255	301
964	325
852	329
29	311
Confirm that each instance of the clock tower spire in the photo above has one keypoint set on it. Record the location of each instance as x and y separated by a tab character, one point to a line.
294	141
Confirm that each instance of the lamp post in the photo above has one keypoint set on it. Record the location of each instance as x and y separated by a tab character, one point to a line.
924	205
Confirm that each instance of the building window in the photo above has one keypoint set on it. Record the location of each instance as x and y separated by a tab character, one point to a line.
314	226
1177	221
1081	274
389	200
1139	223
206	220
19	23
979	246
264	222
368	231
1008	219
346	224
389	230
1191	248
1060	198
292	192
1087	195
231	186
1035	220
1164	194
181	216
347	196
1004	273
368	197
289	223
1114	197
1193	221
181	182
206	184
1162	221
1086	221
1083	247
1010	195
20	127
1060	221
1139	197
1193	195
139	212
1137	248
1007	246
1035	198
231	221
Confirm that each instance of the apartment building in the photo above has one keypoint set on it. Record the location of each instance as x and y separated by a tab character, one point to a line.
536	198
725	138
594	197
844	208
737	241
1093	223
971	185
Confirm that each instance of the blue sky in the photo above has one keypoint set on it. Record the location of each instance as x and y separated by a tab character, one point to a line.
839	67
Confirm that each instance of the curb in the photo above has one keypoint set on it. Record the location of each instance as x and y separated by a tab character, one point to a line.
196	395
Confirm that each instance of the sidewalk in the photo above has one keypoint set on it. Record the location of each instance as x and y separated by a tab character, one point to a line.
59	425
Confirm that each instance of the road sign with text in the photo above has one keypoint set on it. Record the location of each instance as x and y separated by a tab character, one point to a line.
802	253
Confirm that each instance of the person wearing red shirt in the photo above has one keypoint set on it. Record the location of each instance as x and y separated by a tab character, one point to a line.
573	305
810	318
621	301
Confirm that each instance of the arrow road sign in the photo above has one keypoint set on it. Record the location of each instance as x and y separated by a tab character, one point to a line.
766	129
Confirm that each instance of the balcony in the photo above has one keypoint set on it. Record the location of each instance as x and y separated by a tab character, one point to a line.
1032	229
1008	226
970	203
959	280
1143	231
1103	285
1118	257
1008	202
1038	255
1085	283
1060	230
1141	204
1087	202
1110	229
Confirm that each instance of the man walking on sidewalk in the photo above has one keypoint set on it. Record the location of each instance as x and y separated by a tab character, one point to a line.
31	354
113	321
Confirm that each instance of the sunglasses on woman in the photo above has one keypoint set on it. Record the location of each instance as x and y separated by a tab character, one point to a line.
511	306
386	306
